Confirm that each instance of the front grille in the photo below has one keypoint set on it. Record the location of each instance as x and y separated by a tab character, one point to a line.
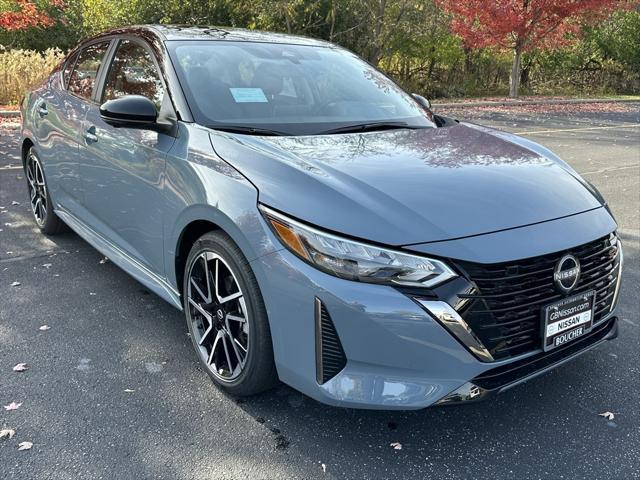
330	357
505	311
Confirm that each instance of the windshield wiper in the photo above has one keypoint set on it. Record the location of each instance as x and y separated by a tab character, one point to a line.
369	127
247	130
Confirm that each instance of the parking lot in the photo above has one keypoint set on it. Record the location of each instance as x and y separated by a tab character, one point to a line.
113	388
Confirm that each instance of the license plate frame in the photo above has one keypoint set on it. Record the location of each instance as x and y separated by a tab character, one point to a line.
568	319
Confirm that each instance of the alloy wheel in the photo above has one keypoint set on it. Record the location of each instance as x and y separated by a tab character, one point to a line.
217	312
37	189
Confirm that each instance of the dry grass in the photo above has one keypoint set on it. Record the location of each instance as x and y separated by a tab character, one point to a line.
23	69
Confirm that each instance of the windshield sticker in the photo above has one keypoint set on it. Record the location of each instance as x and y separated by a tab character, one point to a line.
248	95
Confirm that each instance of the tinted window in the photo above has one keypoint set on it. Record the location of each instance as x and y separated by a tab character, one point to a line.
66	73
133	72
84	74
296	89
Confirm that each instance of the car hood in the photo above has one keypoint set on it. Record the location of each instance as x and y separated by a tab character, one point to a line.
405	186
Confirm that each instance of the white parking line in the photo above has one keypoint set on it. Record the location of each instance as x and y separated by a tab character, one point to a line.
535	132
12	167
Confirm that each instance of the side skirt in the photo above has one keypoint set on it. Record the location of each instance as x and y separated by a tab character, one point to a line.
141	273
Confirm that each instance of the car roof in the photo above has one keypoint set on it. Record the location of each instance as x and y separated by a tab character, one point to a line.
198	32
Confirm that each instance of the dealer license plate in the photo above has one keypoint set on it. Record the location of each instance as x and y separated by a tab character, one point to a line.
567	320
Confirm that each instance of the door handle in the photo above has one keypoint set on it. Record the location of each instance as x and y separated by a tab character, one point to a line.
42	110
90	135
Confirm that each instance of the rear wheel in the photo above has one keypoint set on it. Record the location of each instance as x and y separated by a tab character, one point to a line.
39	197
226	317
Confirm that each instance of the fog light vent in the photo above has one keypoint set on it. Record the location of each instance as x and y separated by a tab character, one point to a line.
330	358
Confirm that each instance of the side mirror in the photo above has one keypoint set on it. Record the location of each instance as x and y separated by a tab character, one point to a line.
424	103
130	111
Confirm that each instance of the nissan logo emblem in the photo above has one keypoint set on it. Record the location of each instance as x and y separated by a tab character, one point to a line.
567	273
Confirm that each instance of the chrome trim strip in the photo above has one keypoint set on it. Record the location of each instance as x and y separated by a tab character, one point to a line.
466	393
452	321
130	265
318	324
620	262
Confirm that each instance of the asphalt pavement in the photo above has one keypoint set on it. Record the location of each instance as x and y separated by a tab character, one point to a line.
113	389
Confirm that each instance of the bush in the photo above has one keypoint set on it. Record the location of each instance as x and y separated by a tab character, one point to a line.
23	69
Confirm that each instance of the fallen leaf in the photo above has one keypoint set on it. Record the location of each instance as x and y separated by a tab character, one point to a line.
128	390
46	265
7	432
16	284
396	445
25	446
44	328
607	415
13	406
15	203
20	367
104	260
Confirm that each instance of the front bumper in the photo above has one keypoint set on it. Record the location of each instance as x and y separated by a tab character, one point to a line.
398	356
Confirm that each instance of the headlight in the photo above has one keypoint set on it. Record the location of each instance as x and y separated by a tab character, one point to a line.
354	260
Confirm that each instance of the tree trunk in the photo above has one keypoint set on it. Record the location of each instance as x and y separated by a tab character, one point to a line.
515	72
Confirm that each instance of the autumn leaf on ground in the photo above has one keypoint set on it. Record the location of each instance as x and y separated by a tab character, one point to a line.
44	328
607	415
25	446
396	445
20	367
13	406
7	432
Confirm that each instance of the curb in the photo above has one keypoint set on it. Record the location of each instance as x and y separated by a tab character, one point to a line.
518	103
9	113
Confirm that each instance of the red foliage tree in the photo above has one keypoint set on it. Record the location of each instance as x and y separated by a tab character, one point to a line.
523	25
25	14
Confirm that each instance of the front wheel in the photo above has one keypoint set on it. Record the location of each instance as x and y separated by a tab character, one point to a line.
226	317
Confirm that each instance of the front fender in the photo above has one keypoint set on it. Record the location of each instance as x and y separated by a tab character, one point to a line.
200	186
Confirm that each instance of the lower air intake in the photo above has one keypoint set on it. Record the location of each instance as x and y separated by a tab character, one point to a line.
330	358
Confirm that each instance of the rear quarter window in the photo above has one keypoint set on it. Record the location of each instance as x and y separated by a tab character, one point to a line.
68	67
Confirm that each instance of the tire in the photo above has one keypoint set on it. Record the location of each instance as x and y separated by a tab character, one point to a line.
219	338
40	201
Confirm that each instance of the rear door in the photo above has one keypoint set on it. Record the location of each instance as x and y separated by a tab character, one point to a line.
122	168
59	114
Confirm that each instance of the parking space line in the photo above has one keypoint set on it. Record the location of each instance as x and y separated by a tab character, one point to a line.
609	127
11	167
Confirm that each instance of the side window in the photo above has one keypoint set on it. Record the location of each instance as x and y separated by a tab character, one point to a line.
84	74
66	73
133	72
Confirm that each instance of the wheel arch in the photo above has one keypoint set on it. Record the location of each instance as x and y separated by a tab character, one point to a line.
190	233
242	227
27	143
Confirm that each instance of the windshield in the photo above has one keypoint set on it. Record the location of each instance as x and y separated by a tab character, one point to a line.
288	89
